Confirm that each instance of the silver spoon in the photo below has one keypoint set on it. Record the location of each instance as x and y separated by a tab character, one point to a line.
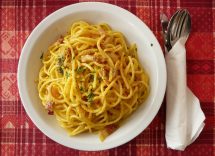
172	19
179	26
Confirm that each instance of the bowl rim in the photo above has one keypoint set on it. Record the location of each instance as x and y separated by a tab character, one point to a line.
101	6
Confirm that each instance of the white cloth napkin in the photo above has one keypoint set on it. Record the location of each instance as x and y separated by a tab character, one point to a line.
184	116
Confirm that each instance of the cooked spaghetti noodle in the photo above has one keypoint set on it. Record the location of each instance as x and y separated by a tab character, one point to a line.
91	80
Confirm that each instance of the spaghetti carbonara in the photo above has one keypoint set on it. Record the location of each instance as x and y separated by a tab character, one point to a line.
91	79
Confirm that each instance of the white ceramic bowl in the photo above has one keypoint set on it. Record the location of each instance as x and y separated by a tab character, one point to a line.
56	24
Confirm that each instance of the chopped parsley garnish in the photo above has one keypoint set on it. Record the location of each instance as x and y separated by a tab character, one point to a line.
80	70
61	60
82	89
67	75
90	97
60	70
41	57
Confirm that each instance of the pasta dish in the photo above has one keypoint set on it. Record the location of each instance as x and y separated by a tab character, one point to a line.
91	80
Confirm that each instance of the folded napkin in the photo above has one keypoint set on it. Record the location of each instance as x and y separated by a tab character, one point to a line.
184	116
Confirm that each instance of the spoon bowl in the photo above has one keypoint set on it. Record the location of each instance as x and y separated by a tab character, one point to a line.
179	26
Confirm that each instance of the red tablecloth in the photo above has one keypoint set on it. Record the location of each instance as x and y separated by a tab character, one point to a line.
19	136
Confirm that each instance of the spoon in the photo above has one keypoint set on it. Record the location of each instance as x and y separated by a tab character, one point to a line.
179	26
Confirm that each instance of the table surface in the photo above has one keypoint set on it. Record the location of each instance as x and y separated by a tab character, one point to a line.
19	136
